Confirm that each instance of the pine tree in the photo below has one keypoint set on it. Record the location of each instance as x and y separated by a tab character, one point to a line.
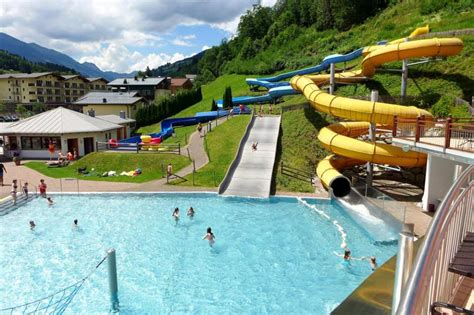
214	106
148	72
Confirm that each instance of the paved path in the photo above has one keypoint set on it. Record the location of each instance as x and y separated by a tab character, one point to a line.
253	174
196	152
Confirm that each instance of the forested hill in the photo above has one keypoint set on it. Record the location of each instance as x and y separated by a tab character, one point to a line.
14	63
299	33
179	68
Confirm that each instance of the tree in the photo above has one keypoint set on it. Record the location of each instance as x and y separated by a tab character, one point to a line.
148	72
38	108
22	110
227	98
214	106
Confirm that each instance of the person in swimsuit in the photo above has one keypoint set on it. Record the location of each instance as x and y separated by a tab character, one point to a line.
14	191
373	263
210	237
25	189
175	215
190	212
75	225
347	254
32	225
42	188
51	149
2	169
50	201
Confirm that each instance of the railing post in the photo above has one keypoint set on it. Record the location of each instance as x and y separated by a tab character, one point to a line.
97	146
417	129
179	148
447	133
395	126
404	264
113	286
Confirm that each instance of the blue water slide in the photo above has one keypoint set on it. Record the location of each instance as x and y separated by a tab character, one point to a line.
167	125
273	94
271	82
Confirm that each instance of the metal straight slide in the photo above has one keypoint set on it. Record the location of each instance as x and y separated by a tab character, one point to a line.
253	174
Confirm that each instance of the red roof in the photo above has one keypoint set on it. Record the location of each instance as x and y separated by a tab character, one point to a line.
179	81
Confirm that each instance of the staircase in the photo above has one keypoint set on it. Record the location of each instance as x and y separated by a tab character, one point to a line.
7	206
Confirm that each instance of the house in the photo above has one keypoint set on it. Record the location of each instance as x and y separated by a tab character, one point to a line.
148	88
68	130
191	77
97	84
127	124
75	86
180	84
43	87
111	103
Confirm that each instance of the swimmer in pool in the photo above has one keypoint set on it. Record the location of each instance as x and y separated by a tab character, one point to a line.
190	213
75	224
50	201
175	215
347	254
210	237
32	225
373	263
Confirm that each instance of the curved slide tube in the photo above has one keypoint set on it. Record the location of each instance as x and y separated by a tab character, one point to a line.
271	82
273	94
338	138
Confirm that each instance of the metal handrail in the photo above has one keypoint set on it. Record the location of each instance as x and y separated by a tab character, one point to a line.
430	280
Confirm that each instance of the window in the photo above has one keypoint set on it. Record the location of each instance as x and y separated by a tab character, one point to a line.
66	85
40	99
39	143
58	99
32	101
50	98
22	81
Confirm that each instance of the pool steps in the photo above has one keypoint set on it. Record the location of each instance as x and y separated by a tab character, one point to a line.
7	206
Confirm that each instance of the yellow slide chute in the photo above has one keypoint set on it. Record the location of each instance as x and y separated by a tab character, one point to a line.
339	138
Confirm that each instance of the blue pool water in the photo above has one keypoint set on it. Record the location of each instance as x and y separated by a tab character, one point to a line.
271	257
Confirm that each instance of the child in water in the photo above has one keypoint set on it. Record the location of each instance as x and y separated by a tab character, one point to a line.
210	237
50	201
190	213
32	225
175	215
373	263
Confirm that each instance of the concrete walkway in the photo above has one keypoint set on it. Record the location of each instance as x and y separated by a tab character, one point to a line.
253	175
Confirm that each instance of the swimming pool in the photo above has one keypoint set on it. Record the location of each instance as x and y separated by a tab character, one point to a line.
272	256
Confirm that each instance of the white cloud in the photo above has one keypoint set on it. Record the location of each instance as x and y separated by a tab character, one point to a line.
119	58
205	47
180	42
111	32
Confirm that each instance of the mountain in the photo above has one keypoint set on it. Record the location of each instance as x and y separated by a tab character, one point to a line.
39	54
179	68
14	63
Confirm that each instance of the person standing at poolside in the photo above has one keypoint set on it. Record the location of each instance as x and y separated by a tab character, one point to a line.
25	189
2	169
51	149
175	215
14	191
210	237
42	188
190	212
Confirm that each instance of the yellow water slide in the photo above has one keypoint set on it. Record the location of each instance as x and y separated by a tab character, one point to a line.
339	138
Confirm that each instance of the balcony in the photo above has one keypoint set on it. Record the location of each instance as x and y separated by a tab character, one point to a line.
448	136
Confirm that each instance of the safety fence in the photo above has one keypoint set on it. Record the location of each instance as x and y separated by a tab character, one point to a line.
297	173
138	148
430	281
55	303
450	133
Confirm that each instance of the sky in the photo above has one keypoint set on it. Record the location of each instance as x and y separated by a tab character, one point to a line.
124	35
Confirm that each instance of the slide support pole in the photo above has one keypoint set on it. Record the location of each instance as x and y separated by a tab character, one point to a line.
374	97
331	79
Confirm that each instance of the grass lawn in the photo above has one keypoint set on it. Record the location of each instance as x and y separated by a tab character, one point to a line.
222	145
119	162
299	147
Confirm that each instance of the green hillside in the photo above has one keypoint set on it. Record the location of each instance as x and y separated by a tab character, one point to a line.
14	63
293	45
